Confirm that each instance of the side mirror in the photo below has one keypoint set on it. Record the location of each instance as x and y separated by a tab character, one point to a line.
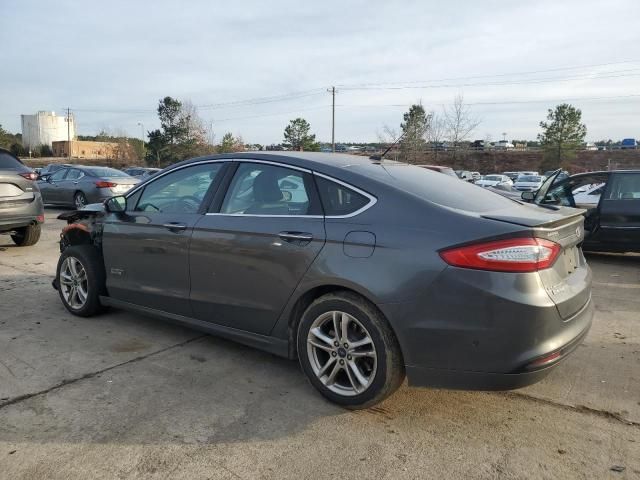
116	204
528	196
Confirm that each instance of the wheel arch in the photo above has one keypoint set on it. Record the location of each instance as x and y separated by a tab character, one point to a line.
75	234
305	298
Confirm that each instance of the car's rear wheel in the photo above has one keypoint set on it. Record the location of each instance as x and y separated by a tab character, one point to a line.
80	279
79	200
348	350
27	236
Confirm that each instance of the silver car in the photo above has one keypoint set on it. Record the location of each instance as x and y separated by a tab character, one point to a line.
79	185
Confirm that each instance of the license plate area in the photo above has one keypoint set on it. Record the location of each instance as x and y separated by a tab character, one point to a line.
570	259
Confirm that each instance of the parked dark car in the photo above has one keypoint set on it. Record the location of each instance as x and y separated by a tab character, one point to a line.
141	172
356	267
78	185
439	168
21	209
612	222
477	145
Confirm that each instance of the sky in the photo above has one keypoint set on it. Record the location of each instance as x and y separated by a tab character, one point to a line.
251	66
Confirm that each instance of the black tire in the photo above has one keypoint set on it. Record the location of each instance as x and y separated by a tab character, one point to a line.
390	371
93	265
79	200
27	236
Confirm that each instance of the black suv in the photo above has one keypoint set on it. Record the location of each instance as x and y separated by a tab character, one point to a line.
611	200
21	208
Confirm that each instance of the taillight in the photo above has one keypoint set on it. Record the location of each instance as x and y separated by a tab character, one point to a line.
103	184
33	176
511	255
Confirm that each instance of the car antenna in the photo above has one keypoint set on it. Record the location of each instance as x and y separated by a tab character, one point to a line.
380	157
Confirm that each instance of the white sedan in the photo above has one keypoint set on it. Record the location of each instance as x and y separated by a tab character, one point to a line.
528	183
493	180
588	194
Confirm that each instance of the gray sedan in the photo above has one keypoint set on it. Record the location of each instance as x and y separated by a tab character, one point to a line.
363	270
79	185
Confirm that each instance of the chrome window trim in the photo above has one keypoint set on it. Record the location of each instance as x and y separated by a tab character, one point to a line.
372	199
157	175
259	215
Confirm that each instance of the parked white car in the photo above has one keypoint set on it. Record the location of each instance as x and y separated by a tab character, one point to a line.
528	183
493	180
588	194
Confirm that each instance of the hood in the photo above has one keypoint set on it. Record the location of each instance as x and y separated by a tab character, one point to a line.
86	211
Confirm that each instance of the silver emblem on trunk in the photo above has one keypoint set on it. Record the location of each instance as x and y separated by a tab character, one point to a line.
578	231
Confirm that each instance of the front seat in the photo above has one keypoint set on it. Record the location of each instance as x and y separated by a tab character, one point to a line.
267	196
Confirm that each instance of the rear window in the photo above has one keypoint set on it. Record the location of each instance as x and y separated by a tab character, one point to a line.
448	192
338	200
492	178
9	161
105	172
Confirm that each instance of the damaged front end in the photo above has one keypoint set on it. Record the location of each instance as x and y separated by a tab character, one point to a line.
84	227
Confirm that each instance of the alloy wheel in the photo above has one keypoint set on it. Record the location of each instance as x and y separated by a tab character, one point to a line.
341	353
80	200
74	284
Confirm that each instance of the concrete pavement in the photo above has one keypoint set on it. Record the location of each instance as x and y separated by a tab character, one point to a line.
124	396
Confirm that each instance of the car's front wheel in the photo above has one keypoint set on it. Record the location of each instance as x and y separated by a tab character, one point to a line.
348	350
80	279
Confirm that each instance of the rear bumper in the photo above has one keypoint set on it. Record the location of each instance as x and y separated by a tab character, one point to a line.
21	215
526	375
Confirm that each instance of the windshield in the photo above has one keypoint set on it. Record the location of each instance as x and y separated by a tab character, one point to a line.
105	172
529	178
492	178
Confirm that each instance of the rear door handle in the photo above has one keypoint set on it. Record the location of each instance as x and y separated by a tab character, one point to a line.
175	226
296	237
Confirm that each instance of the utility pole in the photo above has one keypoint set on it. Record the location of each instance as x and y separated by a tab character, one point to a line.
333	118
69	133
142	137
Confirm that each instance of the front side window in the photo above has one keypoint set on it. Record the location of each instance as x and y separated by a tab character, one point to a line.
59	175
339	200
74	174
624	186
260	189
181	191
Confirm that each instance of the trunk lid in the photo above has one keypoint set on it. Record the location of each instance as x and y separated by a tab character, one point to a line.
15	189
568	280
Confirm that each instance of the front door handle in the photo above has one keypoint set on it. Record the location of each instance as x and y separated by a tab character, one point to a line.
175	226
300	238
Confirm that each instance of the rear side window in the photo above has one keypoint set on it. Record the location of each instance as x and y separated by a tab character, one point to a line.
339	200
624	187
8	161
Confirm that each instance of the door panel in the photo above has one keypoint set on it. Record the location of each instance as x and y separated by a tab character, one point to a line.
50	190
242	270
247	260
146	249
620	212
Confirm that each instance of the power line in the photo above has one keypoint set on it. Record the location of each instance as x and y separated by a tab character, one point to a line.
497	83
497	74
508	102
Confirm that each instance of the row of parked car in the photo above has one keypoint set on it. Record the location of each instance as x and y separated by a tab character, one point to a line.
23	191
610	200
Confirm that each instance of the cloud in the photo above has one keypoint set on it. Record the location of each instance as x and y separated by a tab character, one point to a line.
124	56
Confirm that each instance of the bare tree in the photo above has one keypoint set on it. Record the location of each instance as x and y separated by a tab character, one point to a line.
194	124
388	136
460	122
436	132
